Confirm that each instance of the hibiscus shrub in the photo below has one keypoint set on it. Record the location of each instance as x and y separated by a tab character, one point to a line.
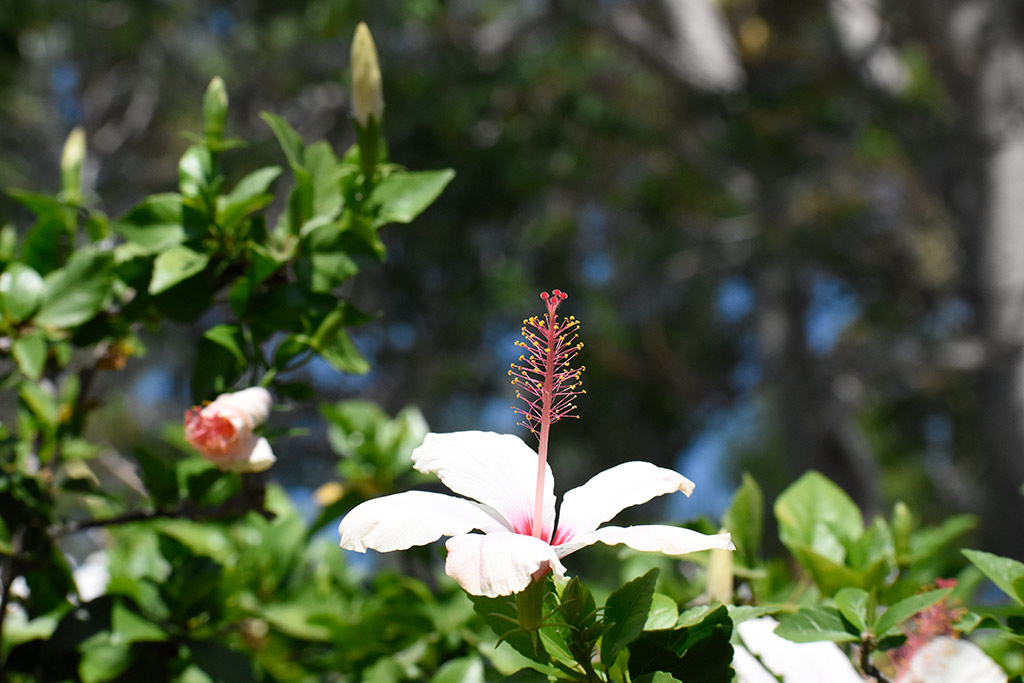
170	554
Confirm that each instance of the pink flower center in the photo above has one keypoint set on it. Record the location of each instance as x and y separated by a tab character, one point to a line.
214	435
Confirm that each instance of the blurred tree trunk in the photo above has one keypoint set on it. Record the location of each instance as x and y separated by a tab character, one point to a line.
819	431
980	48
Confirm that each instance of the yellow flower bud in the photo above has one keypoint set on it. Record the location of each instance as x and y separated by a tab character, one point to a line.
367	91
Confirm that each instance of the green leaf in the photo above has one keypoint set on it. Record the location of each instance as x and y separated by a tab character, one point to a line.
831	576
461	670
104	657
1002	571
815	513
625	613
325	177
402	196
250	194
297	621
811	624
78	291
155	224
30	353
129	626
290	141
196	176
745	520
875	545
21	291
262	264
852	604
42	405
228	337
663	614
335	346
888	623
175	265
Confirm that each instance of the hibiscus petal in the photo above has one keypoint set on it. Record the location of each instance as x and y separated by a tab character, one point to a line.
498	470
670	540
951	660
586	507
412	518
499	564
795	662
253	455
252	405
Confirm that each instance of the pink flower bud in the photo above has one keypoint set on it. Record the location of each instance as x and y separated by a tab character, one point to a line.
223	430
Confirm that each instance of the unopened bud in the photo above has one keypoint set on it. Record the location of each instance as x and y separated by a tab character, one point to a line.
71	164
215	110
720	576
367	91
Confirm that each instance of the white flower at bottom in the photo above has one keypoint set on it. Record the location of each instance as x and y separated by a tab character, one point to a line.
223	430
497	471
951	660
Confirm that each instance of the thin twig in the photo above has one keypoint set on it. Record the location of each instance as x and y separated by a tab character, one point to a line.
867	646
75	525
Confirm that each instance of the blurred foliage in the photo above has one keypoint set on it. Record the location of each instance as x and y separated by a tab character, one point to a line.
687	226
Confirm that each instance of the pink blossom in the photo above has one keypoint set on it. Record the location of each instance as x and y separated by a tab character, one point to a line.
223	430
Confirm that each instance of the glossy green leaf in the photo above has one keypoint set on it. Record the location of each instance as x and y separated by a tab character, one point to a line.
815	513
811	624
402	196
1002	571
852	604
625	613
664	613
78	291
175	265
21	291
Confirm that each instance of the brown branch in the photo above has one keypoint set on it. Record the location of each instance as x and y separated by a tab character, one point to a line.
251	497
867	646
